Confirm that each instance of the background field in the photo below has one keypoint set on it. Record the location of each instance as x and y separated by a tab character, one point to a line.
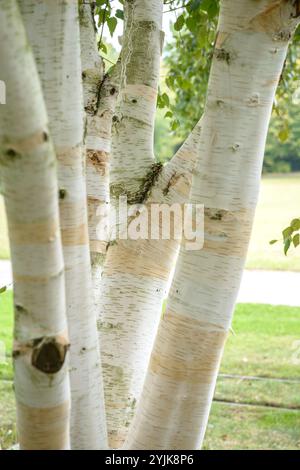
278	204
248	413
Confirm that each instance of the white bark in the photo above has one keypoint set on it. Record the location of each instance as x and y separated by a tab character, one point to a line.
136	273
134	285
131	161
100	94
53	28
249	54
28	172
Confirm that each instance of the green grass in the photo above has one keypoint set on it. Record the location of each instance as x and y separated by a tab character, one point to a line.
266	342
6	327
278	204
8	435
252	428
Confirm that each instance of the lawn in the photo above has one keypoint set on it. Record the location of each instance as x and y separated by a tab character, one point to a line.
247	413
278	204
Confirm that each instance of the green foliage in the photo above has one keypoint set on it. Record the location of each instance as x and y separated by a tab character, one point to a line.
105	14
188	59
282	152
290	236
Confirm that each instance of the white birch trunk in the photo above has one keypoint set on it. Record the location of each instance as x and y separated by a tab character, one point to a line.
249	54
134	284
28	172
100	95
132	161
53	28
136	273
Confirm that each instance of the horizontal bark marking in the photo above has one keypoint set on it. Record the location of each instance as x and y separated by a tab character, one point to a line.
37	233
149	258
28	144
36	279
75	236
43	428
193	358
70	156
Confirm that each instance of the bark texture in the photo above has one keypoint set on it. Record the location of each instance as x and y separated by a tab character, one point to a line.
249	54
100	95
28	172
136	272
53	29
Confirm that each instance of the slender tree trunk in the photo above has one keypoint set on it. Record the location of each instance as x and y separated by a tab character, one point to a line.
28	172
53	28
100	95
249	54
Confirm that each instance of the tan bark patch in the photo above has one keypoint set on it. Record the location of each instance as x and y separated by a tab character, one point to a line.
43	428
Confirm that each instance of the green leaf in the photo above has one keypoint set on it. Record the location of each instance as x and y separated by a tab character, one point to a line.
211	7
120	14
283	135
287	245
3	289
287	232
296	240
166	99
273	241
295	224
112	24
169	114
103	47
192	24
179	23
174	124
170	81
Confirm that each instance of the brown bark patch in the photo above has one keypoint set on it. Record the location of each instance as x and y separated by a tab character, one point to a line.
277	18
99	160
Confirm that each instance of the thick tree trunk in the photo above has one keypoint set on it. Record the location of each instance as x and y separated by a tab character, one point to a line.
136	272
28	172
53	28
132	160
249	54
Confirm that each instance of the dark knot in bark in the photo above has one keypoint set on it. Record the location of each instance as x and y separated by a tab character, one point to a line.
48	354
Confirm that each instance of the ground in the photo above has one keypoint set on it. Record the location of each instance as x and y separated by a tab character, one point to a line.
248	412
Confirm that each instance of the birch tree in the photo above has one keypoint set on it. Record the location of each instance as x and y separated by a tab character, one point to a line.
250	50
102	127
53	30
28	173
136	272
